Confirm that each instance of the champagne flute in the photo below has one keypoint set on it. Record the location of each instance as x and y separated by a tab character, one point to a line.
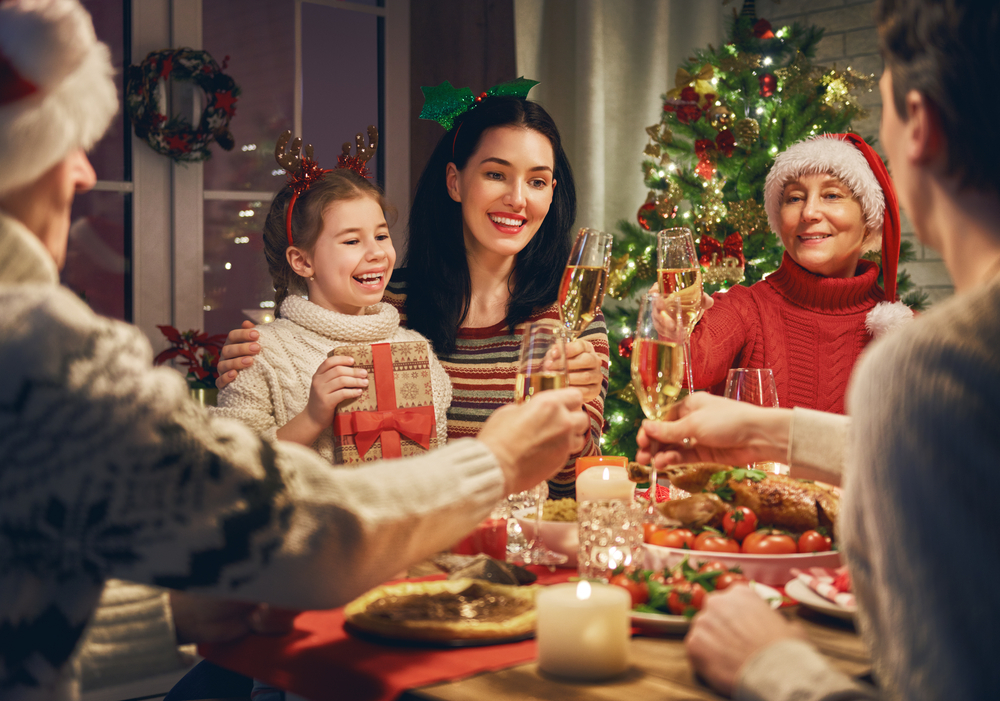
541	366
581	291
658	358
679	272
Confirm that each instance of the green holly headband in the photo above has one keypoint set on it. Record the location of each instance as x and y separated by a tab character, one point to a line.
445	103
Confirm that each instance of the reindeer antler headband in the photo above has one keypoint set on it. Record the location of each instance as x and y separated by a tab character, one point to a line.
303	170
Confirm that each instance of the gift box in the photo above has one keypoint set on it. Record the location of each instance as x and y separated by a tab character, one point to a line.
394	416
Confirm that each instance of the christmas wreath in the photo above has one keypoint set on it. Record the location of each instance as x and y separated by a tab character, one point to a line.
177	137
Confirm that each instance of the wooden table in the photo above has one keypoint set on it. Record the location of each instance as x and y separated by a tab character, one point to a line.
659	671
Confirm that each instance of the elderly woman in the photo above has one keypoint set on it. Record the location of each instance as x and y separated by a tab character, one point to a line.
829	199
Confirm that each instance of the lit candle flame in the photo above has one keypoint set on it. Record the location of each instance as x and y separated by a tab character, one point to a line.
607	474
583	590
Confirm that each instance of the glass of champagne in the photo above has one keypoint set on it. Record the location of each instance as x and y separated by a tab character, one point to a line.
541	366
679	272
658	358
581	292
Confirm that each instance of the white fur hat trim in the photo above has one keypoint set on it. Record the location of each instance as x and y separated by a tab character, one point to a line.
886	316
52	44
837	157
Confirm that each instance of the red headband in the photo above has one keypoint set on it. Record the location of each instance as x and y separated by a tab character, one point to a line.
890	220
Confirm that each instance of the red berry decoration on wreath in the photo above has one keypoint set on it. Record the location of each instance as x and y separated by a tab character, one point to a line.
768	84
175	136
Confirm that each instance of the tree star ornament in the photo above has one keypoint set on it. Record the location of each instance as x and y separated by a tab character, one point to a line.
445	103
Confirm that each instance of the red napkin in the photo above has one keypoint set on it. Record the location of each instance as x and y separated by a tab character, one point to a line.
319	658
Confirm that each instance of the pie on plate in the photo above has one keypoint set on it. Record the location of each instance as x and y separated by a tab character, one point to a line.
445	610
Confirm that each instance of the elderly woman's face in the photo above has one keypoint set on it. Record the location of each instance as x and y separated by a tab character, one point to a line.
822	225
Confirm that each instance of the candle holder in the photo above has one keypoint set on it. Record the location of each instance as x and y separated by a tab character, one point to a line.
610	537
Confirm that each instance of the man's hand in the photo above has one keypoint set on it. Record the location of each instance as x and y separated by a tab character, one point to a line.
732	627
238	353
706	428
533	441
203	619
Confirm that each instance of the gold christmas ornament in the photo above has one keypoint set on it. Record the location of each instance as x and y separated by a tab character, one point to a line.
645	264
747	216
740	62
720	117
746	131
627	394
617	287
652	150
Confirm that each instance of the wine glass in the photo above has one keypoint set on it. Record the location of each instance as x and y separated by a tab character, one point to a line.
658	358
756	386
541	366
581	291
678	272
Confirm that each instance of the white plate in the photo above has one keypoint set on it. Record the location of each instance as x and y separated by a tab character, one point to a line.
799	591
668	623
773	570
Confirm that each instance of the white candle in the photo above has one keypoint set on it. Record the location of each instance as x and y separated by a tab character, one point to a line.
602	483
583	630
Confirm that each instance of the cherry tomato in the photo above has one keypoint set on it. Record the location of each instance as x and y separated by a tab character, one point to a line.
673	538
685	594
648	529
714	566
639	591
659	576
739	523
814	542
768	542
728	579
716	543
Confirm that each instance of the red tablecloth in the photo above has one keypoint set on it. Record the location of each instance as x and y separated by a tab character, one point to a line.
319	660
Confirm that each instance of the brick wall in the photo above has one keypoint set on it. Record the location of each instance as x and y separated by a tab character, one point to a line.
851	40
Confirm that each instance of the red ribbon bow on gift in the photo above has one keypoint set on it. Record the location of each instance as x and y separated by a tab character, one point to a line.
416	423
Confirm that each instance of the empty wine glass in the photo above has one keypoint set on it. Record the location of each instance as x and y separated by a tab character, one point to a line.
756	386
658	358
581	291
541	366
679	272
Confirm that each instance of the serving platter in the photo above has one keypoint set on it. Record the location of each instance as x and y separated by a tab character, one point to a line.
668	623
773	570
798	590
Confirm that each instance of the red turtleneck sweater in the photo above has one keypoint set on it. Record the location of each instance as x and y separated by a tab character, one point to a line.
807	328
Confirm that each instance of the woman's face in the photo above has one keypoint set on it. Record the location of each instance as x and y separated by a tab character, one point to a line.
822	225
505	190
352	261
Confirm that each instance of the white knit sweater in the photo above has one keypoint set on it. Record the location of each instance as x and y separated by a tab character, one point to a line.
107	469
275	389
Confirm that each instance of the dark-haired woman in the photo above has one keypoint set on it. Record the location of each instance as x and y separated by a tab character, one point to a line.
489	239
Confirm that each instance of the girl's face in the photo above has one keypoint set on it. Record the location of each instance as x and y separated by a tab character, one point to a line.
352	261
822	225
505	190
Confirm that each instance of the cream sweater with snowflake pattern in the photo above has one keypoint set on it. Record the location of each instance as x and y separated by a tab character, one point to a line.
275	389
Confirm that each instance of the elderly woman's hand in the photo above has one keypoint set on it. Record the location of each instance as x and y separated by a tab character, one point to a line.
584	369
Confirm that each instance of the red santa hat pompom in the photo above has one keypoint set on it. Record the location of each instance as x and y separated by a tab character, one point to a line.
57	91
854	162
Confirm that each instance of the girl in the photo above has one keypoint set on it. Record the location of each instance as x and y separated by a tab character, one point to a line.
341	257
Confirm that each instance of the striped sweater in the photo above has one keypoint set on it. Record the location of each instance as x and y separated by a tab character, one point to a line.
483	367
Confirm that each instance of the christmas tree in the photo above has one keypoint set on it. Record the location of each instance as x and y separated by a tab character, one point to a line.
732	110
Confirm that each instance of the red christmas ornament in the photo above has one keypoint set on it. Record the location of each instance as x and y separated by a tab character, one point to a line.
768	84
706	169
625	347
642	216
703	148
688	113
725	142
689	94
762	29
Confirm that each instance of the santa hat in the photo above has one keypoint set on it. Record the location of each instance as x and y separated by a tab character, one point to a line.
854	162
57	91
